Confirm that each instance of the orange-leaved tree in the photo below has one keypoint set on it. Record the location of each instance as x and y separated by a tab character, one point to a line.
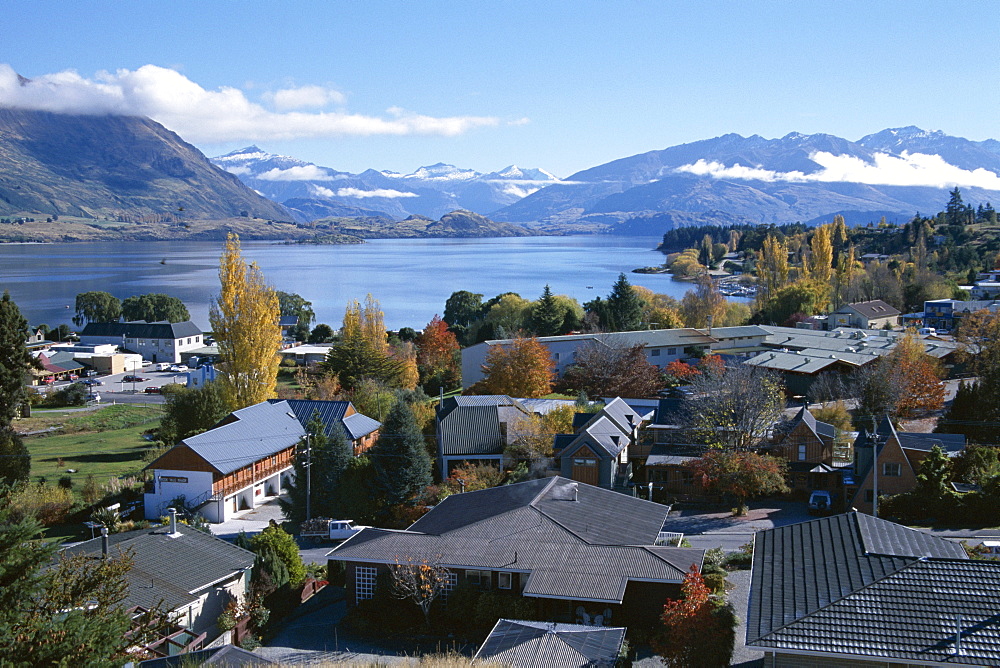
697	630
917	377
740	474
523	368
438	357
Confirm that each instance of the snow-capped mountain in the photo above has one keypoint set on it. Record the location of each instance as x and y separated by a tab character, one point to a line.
312	191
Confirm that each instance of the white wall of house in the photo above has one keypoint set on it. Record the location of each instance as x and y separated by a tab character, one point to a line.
199	489
163	350
201	615
169	484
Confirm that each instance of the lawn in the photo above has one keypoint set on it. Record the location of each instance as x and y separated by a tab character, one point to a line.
105	443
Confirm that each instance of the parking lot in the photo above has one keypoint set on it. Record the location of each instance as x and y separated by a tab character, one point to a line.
114	388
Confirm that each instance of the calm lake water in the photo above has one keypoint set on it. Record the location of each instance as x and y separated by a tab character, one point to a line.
411	278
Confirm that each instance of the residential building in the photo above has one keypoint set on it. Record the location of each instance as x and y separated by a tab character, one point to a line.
188	573
572	548
546	644
886	462
306	355
853	590
874	314
808	446
476	429
604	443
246	459
155	341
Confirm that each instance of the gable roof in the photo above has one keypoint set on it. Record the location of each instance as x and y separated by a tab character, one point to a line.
810	581
952	444
247	435
603	433
820	429
471	430
570	538
333	414
544	644
140	329
171	568
875	308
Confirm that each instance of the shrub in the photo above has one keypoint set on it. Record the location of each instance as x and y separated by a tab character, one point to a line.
739	560
91	490
226	621
49	505
714	557
716	582
66	482
494	605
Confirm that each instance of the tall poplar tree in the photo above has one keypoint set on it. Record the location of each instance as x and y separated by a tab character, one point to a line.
822	254
245	321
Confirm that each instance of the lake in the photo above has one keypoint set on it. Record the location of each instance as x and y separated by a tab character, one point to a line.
411	278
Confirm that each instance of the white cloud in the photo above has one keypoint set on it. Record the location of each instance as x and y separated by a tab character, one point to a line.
519	191
381	192
304	97
906	169
297	173
210	116
238	170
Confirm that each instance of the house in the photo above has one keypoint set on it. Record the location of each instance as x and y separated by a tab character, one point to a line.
808	446
874	314
599	453
246	459
572	548
187	572
223	656
886	462
307	355
546	644
476	429
36	341
853	590
55	366
156	341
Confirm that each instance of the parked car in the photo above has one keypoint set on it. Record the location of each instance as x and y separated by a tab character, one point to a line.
146	364
153	389
90	373
820	503
134	379
178	368
91	382
94	396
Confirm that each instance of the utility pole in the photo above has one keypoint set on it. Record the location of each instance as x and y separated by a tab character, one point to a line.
308	467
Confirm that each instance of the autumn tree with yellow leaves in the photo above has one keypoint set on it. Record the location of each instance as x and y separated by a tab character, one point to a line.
245	323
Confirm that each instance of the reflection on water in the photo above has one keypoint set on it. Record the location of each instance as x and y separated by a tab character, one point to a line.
411	278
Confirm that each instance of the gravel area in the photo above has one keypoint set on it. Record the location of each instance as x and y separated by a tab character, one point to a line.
739	596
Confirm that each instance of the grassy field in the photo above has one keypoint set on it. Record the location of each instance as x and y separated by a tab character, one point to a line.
105	443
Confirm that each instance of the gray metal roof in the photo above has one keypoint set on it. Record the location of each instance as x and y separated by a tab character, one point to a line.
359	426
547	644
471	430
649	338
875	308
819	586
952	444
604	434
248	435
575	540
171	568
333	414
141	329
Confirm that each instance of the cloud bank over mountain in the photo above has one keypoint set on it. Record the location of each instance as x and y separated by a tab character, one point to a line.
216	116
906	169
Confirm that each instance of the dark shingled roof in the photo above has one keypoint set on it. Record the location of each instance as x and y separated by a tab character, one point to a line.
576	541
546	644
873	309
141	329
333	414
820	586
952	444
171	568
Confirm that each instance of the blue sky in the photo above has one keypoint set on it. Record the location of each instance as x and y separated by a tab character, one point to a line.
559	85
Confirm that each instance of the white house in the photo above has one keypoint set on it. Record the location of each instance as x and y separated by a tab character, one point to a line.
155	341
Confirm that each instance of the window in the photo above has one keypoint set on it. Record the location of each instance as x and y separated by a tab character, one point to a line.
802	453
584	462
892	469
655	352
869	496
479	579
504	580
451	581
671	351
365	578
687	478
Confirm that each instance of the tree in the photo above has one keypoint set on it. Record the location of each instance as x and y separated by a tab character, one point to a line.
740	475
439	358
421	582
704	304
624	307
67	607
15	457
608	367
321	333
97	307
154	307
696	631
292	304
190	411
546	316
276	539
916	377
329	459
245	321
402	465
363	349
822	254
15	360
772	265
462	310
509	316
523	368
735	409
806	297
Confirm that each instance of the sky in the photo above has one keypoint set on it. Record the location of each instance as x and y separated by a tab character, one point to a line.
563	86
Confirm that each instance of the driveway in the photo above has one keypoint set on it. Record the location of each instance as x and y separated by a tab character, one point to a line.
252	521
720	529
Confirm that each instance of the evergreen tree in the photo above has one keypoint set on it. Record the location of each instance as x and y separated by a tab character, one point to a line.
15	360
15	460
546	316
331	455
624	306
402	465
956	212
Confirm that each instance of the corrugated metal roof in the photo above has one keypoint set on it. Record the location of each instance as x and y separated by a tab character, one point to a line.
333	414
248	435
471	430
546	644
359	426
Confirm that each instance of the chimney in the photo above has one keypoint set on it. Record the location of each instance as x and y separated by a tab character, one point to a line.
575	488
710	319
105	543
173	520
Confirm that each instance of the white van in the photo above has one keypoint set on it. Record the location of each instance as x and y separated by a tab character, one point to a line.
927	331
162	366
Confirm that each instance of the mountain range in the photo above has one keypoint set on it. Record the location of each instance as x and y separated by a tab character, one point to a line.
311	191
